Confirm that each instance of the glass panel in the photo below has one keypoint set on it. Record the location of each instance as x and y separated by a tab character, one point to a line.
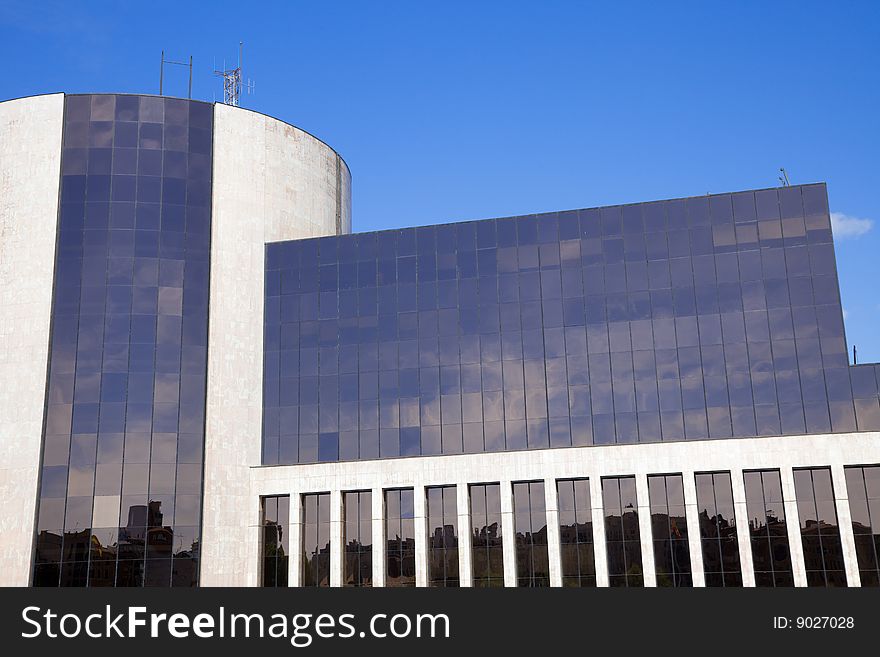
357	539
275	540
127	370
530	520
718	536
823	553
863	490
442	508
669	530
767	528
487	549
576	532
316	539
622	536
400	540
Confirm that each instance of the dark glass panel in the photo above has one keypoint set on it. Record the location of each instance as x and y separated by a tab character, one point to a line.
486	543
823	554
622	531
767	528
530	520
576	532
106	271
316	539
275	540
863	490
399	538
442	536
718	533
669	531
357	539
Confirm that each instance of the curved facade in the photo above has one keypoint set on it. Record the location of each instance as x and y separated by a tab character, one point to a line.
124	434
30	165
271	182
129	216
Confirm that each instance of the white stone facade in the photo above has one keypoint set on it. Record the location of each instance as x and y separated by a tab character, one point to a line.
784	453
272	182
30	168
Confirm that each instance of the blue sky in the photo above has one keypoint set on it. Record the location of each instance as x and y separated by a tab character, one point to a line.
461	110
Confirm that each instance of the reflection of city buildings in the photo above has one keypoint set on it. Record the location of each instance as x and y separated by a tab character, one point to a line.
488	535
445	536
316	567
671	550
443	568
101	556
401	568
358	566
205	340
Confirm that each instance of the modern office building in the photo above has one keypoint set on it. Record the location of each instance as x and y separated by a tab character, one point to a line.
206	379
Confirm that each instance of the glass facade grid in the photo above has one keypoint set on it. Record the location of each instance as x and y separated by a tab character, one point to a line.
708	317
718	536
669	530
576	532
768	531
487	549
863	488
400	550
120	499
768	535
442	506
530	525
357	538
622	535
820	533
275	540
316	540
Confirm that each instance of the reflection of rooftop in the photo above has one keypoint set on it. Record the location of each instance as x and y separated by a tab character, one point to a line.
446	535
134	541
149	515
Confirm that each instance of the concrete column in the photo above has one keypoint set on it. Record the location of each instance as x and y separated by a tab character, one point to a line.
743	537
793	527
462	503
295	562
378	503
645	536
420	525
844	522
698	574
599	547
336	541
508	533
553	551
271	182
30	174
255	539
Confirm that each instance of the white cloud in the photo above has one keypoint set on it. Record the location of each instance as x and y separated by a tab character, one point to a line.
845	313
844	225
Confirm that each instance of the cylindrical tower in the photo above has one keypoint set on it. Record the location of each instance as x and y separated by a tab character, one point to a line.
132	233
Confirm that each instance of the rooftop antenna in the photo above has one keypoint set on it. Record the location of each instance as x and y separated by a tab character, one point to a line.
855	356
784	177
232	85
189	64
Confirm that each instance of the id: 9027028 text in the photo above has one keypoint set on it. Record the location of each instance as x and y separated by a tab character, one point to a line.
813	623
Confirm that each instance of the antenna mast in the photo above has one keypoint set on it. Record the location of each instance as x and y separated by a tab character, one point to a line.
189	65
784	177
232	85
